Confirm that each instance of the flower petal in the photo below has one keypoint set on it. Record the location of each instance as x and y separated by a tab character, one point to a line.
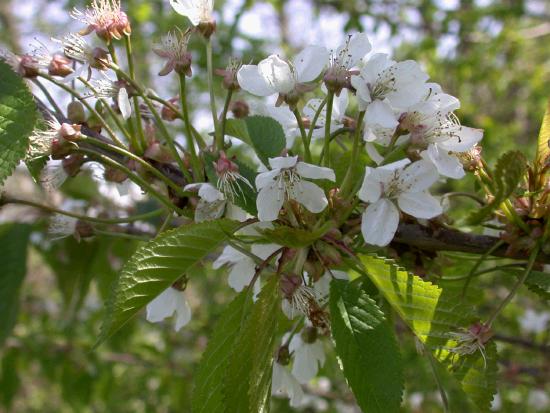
310	196
381	113
124	103
210	193
356	49
269	202
266	178
229	255
162	306
418	176
379	222
462	139
419	204
188	9
283	162
278	74
183	312
446	164
310	62
250	80
310	171
371	189
241	274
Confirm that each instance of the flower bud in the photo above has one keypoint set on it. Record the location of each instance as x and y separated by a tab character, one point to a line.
69	132
28	66
100	57
167	113
60	66
75	112
207	28
283	356
289	283
240	109
158	152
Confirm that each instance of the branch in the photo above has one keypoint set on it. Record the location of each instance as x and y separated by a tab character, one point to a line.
444	239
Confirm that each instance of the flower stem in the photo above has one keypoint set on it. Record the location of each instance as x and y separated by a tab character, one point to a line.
135	178
210	69
347	183
195	162
142	142
106	221
326	146
307	153
224	113
49	97
314	121
517	285
480	261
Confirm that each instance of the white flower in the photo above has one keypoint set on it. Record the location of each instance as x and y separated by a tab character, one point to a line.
243	267
53	176
211	204
534	322
285	182
173	48
106	88
274	75
197	11
433	123
284	383
308	357
396	85
391	186
170	301
337	118
106	18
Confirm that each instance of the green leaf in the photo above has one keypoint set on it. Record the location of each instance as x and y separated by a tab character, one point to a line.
17	119
543	144
366	346
13	239
433	314
247	384
509	171
295	237
158	264
237	128
266	137
209	378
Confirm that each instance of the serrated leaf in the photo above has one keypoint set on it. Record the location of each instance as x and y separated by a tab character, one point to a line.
432	314
13	239
509	171
158	264
17	119
537	281
266	137
247	384
237	128
295	237
209	379
366	346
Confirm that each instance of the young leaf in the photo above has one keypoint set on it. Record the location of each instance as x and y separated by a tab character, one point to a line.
209	379
13	239
247	384
237	128
266	136
543	144
17	119
432	314
366	346
158	264
509	171
295	237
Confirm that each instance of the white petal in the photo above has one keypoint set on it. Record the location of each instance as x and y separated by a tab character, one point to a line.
283	162
210	193
188	9
310	196
250	80
264	250
362	91
229	255
310	171
269	202
400	164
419	205
284	383
463	139
340	105
162	306
183	312
310	62
373	153
307	358
371	189
278	74
376	64
124	103
235	213
241	274
208	211
357	49
381	113
379	222
266	178
447	165
418	176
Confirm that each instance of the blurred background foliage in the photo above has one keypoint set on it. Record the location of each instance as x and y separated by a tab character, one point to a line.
492	54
